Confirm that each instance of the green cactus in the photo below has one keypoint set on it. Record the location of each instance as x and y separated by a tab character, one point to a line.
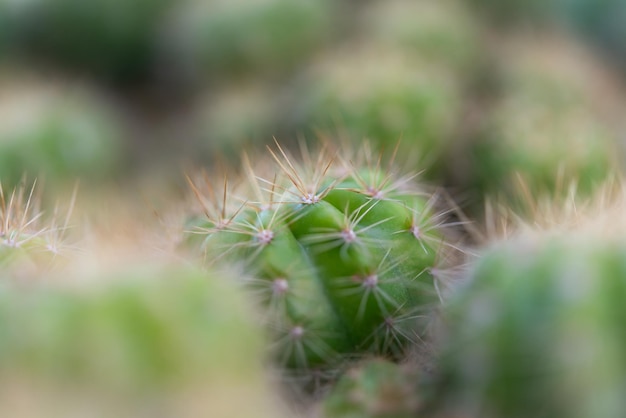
61	134
29	242
236	115
227	39
539	331
548	124
402	76
168	339
345	259
444	31
375	389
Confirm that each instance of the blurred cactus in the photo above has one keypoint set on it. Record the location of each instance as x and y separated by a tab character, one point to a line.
445	31
238	115
549	122
31	242
345	258
242	38
169	342
61	134
539	332
401	77
375	389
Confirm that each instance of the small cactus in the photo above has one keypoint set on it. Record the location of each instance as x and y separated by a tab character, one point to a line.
166	341
29	242
401	76
345	258
57	132
237	38
539	331
549	123
375	389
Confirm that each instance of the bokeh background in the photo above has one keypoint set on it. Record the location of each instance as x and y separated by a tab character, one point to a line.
119	93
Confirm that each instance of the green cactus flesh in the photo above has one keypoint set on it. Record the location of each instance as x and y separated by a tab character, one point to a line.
539	332
144	338
343	264
376	389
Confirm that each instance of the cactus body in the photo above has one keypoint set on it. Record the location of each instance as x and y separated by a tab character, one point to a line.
29	243
343	263
550	123
402	76
539	332
375	389
47	131
243	37
168	341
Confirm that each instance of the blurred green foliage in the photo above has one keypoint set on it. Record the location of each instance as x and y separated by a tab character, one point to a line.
538	331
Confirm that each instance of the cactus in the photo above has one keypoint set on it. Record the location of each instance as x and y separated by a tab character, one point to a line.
375	389
346	260
166	341
227	39
539	331
237	115
392	80
443	31
55	132
549	123
30	243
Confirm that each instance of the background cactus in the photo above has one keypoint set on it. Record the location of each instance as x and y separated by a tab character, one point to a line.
401	76
346	259
170	341
31	241
228	39
539	331
57	133
548	121
375	389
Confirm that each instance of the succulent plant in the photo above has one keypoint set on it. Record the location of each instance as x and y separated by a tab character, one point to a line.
56	132
237	115
538	331
444	31
403	75
31	241
375	389
549	124
167	340
227	39
346	259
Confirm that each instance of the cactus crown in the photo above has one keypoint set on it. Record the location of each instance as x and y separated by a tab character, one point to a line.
344	254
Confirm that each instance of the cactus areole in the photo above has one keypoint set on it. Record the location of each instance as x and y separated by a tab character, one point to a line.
342	256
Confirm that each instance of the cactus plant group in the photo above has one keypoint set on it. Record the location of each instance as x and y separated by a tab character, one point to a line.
338	272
